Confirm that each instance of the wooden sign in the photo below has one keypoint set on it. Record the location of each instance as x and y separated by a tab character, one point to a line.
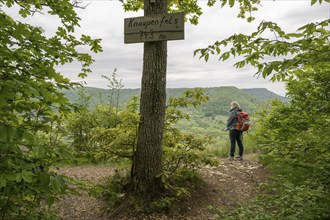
162	27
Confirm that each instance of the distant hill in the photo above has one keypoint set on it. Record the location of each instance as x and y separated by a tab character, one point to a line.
220	98
264	94
99	95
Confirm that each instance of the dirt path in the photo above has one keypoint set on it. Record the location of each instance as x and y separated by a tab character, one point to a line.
83	207
228	185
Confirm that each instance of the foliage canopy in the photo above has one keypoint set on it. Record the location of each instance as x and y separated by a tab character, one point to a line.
193	11
31	106
307	47
291	135
292	144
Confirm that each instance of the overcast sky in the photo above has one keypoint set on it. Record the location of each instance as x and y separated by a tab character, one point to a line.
105	19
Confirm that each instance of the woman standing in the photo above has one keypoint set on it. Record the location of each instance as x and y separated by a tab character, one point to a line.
234	135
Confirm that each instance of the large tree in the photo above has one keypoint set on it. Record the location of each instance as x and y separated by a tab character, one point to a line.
147	162
308	46
31	103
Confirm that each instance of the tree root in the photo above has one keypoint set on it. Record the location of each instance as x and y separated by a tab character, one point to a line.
119	212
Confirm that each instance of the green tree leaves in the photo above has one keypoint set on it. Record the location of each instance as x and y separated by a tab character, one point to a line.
292	145
291	139
320	1
192	9
31	106
308	46
290	136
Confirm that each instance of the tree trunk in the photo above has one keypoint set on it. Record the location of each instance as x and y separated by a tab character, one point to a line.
147	162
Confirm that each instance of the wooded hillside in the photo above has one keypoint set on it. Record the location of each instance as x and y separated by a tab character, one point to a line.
219	97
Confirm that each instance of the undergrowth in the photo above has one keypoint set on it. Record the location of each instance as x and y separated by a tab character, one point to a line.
179	187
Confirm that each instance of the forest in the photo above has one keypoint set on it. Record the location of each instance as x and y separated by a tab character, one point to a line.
74	152
219	97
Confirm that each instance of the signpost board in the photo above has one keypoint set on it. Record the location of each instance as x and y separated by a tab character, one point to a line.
162	27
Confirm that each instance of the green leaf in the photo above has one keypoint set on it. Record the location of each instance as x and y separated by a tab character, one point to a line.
196	51
240	64
3	136
9	3
206	57
224	2
267	71
19	177
3	181
24	12
313	2
27	176
4	148
44	179
50	200
11	132
11	177
57	184
231	3
39	151
7	133
278	77
28	136
225	56
218	50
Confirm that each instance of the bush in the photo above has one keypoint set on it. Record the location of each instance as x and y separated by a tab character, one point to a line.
291	138
183	153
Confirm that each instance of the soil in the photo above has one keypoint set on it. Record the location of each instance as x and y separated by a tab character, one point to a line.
231	184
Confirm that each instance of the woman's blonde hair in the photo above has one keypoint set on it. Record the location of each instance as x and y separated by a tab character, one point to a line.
234	104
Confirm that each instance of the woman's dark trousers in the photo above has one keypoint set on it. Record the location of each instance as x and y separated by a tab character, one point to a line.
236	136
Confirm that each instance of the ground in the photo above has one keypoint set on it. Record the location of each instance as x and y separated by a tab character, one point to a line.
228	185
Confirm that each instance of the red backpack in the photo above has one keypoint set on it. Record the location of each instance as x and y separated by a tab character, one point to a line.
243	121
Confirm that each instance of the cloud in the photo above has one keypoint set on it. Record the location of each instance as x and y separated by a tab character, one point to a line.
105	19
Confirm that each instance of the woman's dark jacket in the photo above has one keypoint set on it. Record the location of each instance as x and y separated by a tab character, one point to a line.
232	120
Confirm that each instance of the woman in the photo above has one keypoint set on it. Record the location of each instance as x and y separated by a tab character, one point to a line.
234	135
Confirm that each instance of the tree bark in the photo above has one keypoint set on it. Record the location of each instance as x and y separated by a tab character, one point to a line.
147	163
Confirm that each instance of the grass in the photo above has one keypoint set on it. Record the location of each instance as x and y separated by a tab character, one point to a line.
221	147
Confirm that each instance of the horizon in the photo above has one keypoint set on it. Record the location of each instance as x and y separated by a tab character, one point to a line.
210	87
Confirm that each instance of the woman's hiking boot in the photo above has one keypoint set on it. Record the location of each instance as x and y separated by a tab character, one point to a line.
230	158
